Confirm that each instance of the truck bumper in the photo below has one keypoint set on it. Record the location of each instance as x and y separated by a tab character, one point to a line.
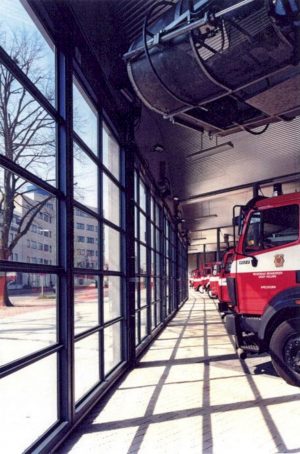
230	324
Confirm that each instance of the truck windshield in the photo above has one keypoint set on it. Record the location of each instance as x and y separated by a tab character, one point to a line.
271	228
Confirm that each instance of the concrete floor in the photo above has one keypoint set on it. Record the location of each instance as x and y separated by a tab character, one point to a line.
191	393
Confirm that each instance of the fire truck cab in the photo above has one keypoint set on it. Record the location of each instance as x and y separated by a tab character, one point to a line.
264	284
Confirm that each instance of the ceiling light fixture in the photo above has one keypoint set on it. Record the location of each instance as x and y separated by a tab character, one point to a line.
216	149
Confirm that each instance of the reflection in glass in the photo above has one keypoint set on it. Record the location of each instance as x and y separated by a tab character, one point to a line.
29	402
135	187
157	215
143	232
27	314
143	195
111	152
111	249
143	259
111	201
152	270
152	208
86	358
157	239
152	236
152	288
143	289
153	316
112	297
86	247
30	48
112	347
137	323
157	289
144	324
85	118
136	222
85	179
27	221
86	309
27	132
136	294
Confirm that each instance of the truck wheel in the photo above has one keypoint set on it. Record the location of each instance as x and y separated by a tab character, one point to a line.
285	351
200	289
211	294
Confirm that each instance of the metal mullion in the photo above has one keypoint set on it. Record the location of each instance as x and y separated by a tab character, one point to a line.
66	239
24	80
86	148
100	248
112	177
148	260
23	173
78	337
110	224
30	268
86	209
27	360
89	271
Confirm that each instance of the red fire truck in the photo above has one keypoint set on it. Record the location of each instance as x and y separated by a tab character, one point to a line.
201	282
214	281
264	283
194	274
223	295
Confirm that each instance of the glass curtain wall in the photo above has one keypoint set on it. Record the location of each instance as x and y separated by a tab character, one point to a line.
61	237
63	299
30	199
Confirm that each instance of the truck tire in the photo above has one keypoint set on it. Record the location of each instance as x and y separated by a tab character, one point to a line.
200	289
285	351
211	294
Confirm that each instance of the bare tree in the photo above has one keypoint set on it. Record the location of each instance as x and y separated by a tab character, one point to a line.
27	138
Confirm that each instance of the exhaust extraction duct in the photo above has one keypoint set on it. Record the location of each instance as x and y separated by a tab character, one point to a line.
220	65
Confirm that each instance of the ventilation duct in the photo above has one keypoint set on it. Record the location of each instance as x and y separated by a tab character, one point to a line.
220	65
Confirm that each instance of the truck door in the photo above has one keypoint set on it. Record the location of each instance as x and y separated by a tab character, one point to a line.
271	236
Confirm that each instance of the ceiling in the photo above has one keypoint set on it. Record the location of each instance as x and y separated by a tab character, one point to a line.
212	184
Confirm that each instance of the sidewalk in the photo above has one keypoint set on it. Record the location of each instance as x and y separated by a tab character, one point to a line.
191	394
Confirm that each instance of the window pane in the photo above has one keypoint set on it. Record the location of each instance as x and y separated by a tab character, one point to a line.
144	324
280	226
29	398
136	222
143	287
28	314
112	297
86	246
29	235
112	347
85	118
85	179
143	259
142	196
111	249
32	140
111	152
86	359
143	232
29	48
86	310
111	201
153	316
136	294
